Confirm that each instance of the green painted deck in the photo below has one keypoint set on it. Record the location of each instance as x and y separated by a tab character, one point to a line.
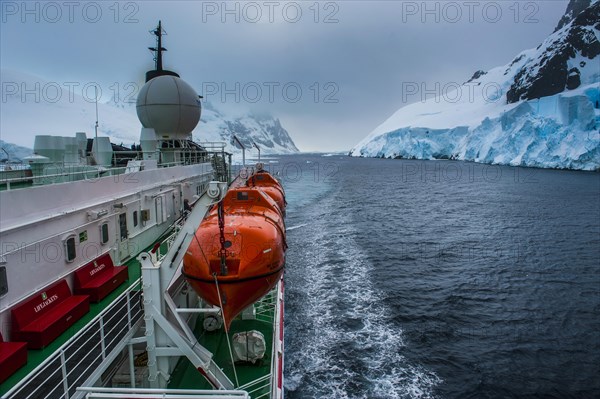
37	356
185	375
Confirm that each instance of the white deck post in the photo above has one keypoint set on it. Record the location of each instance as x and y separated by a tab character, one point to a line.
152	302
160	334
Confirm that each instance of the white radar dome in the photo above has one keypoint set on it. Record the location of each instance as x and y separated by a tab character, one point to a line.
170	106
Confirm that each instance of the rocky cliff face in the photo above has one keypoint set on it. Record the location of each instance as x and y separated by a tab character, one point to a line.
568	58
574	8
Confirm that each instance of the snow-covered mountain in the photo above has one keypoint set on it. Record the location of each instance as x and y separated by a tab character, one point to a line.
13	153
542	109
264	130
32	105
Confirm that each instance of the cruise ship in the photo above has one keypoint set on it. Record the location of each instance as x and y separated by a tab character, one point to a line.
153	271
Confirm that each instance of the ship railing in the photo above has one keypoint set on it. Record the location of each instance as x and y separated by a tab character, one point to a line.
77	362
277	345
9	167
92	172
88	174
168	241
265	308
213	146
149	393
262	384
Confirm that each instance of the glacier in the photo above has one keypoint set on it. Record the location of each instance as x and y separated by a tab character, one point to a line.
476	121
559	131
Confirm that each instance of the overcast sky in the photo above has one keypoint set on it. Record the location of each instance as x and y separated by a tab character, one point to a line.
331	71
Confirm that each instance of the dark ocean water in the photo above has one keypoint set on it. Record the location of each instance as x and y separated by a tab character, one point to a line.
425	279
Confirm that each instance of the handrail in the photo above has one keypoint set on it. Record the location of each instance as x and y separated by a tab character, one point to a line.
98	393
98	171
266	305
107	344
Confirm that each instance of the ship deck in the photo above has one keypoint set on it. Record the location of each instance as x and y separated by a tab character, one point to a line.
37	356
254	378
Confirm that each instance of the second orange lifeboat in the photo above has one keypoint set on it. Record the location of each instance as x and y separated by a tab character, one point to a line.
238	252
270	186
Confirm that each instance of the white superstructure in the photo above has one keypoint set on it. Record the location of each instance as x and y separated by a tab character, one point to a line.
49	231
84	198
86	202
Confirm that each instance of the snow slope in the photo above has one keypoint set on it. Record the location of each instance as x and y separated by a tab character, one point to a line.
477	122
31	105
264	130
13	153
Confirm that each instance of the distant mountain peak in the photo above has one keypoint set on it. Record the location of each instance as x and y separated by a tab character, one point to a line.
476	75
574	8
565	60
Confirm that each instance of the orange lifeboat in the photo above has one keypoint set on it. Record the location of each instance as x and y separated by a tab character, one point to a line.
238	253
270	186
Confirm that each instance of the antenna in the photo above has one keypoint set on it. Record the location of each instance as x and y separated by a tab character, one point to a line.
157	51
158	32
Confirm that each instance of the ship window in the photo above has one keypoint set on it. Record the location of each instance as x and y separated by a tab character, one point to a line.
3	281
83	236
70	252
242	195
104	233
135	218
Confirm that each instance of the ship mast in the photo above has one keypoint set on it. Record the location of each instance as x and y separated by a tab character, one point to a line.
158	55
158	32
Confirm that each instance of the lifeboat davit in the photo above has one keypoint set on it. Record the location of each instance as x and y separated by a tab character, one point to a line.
270	186
238	253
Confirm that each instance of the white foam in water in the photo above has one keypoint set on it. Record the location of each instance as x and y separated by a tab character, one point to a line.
340	342
296	227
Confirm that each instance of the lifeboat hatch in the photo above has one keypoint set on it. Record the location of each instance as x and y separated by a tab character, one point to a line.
233	266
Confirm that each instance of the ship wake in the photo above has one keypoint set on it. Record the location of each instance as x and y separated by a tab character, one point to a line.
340	340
